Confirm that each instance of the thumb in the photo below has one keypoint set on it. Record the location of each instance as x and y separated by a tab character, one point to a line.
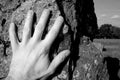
58	60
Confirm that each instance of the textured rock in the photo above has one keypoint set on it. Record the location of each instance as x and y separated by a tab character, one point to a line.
80	16
80	20
87	66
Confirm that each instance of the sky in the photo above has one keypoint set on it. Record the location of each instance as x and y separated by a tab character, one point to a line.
108	12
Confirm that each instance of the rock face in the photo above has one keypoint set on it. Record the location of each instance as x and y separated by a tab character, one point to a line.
80	20
80	15
88	65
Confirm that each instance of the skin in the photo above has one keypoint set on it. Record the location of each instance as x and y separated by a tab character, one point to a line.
30	59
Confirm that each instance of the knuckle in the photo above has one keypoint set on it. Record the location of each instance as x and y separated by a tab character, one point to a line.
39	26
37	29
51	72
54	31
26	29
44	49
62	58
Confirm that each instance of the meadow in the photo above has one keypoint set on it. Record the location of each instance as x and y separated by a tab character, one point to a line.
111	47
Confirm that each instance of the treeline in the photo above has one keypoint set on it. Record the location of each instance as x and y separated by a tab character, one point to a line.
108	31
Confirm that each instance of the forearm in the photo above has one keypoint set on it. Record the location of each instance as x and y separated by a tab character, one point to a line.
18	75
15	77
9	78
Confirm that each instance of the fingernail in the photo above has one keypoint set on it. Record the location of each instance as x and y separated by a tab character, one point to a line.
30	12
67	52
46	11
12	24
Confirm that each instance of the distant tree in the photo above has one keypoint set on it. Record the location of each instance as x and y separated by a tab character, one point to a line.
108	31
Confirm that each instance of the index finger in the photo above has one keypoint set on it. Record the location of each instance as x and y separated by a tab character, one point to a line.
52	34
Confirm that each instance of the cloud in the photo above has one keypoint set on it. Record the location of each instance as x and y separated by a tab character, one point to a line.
103	15
115	16
98	18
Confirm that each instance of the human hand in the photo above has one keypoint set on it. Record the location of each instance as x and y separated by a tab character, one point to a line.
30	58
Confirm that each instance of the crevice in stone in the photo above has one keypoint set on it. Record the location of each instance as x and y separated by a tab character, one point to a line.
3	22
71	33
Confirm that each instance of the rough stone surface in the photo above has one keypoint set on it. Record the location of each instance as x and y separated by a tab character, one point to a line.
80	20
87	66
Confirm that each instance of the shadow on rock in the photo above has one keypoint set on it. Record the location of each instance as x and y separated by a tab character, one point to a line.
113	67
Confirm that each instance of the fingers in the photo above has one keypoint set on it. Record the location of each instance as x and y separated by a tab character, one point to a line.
27	27
58	60
13	37
41	25
52	34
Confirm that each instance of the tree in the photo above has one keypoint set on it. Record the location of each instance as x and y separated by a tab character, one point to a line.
108	31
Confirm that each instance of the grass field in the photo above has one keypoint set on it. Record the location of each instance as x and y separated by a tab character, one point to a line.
112	46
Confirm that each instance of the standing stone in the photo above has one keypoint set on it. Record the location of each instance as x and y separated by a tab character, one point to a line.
80	19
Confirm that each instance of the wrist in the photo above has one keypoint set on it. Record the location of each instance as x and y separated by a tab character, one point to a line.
13	75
